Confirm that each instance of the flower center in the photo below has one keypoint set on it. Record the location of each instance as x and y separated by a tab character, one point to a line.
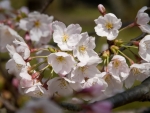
107	78
60	59
135	71
82	69
116	63
65	38
82	48
37	23
63	84
109	25
39	93
147	44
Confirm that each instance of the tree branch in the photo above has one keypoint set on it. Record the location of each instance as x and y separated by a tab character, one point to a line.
46	6
138	93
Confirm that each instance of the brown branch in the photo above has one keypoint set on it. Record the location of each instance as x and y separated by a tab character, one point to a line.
138	93
46	5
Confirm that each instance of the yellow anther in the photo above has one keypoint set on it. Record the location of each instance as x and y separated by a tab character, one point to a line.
135	71
60	59
82	48
116	63
109	25
37	24
65	38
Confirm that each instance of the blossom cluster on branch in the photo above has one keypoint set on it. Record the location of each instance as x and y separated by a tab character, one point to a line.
74	73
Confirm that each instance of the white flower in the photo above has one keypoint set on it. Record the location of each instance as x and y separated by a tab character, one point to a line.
137	72
36	90
84	70
108	26
61	62
5	4
15	65
60	86
144	48
31	87
37	24
84	49
96	82
22	48
142	19
66	38
40	106
7	36
113	86
118	68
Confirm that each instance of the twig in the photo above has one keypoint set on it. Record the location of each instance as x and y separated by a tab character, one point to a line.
46	5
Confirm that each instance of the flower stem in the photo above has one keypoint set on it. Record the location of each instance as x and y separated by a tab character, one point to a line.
129	26
39	57
44	68
130	60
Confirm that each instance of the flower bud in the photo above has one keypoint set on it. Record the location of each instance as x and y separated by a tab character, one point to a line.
102	9
118	42
114	49
106	54
136	43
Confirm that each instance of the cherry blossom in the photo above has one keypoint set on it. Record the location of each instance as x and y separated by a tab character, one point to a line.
8	35
142	19
84	48
113	86
15	64
118	68
22	48
61	62
108	26
66	37
37	24
84	70
144	48
137	72
60	86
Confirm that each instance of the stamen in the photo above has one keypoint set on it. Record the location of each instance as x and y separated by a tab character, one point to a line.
65	38
147	44
109	25
116	63
60	59
37	24
135	71
82	48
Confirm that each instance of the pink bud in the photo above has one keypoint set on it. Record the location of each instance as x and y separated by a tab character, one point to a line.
102	9
27	36
15	82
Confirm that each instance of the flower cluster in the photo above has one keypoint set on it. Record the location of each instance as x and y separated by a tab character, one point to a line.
73	66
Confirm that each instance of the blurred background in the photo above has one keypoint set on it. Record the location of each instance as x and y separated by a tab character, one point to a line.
83	12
